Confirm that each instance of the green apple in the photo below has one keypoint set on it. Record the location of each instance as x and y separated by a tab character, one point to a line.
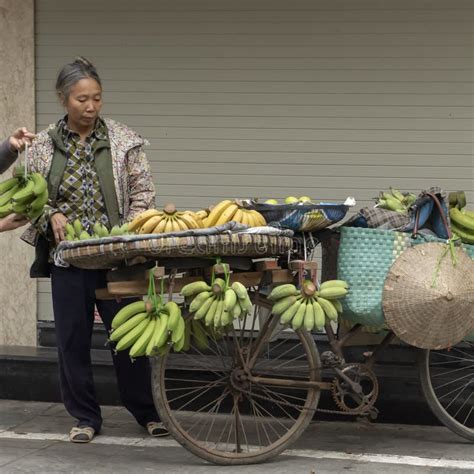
291	200
271	201
305	199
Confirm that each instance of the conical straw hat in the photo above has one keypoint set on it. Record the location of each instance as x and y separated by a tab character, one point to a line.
428	301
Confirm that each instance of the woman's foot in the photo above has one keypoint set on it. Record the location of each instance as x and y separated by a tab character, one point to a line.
156	429
82	434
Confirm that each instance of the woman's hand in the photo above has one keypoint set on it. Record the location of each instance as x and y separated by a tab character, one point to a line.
12	222
20	138
58	223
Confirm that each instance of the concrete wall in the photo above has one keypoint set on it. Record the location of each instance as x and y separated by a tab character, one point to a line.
17	108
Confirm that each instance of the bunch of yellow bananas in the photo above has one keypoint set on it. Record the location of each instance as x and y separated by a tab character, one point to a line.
154	221
218	305
23	195
307	307
228	210
396	201
143	331
76	231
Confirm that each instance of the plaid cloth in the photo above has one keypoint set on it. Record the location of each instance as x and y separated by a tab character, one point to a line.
378	218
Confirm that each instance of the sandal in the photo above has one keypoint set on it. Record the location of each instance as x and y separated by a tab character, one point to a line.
156	429
82	434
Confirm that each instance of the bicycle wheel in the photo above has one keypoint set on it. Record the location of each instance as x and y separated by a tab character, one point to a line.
239	403
447	382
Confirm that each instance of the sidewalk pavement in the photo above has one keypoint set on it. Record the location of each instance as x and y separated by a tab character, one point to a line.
33	438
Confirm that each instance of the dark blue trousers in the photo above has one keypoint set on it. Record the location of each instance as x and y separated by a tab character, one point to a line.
73	292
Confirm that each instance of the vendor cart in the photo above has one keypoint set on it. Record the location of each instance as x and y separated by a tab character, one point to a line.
249	393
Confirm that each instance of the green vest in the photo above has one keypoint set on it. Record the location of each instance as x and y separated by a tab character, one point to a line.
105	173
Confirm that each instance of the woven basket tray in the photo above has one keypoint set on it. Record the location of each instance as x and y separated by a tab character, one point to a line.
111	253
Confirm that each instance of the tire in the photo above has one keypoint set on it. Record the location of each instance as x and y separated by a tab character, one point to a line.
447	382
179	422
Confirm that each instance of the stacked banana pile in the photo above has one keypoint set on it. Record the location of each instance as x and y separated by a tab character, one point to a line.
145	331
228	210
23	195
218	305
462	224
76	231
307	307
154	221
396	201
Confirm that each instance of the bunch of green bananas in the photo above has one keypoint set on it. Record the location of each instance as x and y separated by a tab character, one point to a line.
396	200
76	231
145	331
462	224
307	307
218	305
23	195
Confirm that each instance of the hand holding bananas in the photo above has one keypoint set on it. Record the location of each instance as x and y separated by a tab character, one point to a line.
396	201
20	138
308	307
217	305
23	194
12	222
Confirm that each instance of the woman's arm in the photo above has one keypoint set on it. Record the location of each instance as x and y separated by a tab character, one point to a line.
141	189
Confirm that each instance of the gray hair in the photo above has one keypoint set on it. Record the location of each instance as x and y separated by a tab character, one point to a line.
72	73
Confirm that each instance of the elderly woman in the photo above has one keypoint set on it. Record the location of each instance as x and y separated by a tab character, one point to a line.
97	172
9	150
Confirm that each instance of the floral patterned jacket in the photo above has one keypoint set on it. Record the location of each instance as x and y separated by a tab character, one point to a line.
132	175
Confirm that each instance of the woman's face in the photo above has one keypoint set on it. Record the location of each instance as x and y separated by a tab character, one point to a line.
83	103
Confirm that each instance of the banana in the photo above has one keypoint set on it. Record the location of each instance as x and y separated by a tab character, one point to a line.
309	319
148	226
244	219
6	210
40	201
151	347
331	283
139	347
298	318
178	332
19	207
238	216
329	309
70	231
240	290
230	299
131	337
461	220
227	214
174	313
258	218
288	315
319	316
216	212
199	335
8	184
160	228
181	224
25	193
139	220
246	304
282	305
205	307
219	313
332	293
39	184
6	197
128	322
209	317
179	345
338	305
226	318
461	199
282	291
236	311
77	227
190	221
465	236
194	288
251	222
397	194
394	204
202	214
84	235
199	300
168	225
163	334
